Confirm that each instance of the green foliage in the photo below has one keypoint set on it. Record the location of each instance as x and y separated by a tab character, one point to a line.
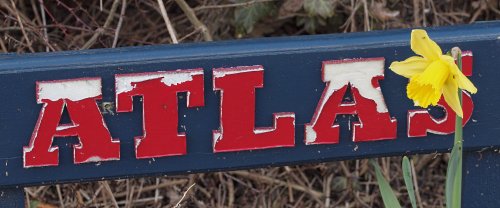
322	8
318	13
34	204
310	24
453	177
388	196
339	184
408	177
246	17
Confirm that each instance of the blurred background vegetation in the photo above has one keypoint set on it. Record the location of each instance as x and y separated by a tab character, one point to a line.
58	25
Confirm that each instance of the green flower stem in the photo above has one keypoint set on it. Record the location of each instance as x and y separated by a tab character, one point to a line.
458	121
455	163
457	192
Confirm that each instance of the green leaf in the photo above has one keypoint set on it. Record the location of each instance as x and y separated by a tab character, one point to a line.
457	186
246	17
34	204
388	196
339	184
454	176
408	177
322	8
310	24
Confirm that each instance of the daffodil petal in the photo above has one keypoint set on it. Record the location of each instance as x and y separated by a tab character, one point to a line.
450	94
409	67
462	81
422	45
465	83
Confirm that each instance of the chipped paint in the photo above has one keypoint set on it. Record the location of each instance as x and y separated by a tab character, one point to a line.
359	73
310	134
93	159
236	70
74	90
237	103
125	82
159	97
86	123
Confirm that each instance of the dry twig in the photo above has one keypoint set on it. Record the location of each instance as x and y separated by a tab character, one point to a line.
120	22
184	195
99	31
21	25
170	28
198	25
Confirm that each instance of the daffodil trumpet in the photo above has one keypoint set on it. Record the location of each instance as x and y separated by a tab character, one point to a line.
432	74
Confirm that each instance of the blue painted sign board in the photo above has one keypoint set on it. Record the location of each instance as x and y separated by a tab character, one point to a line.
292	82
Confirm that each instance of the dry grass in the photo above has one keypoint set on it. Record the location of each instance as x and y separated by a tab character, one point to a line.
56	25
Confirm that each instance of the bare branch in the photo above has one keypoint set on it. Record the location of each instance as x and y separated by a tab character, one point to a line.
194	20
171	30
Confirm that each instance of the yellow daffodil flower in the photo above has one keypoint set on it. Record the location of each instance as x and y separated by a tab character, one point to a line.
432	74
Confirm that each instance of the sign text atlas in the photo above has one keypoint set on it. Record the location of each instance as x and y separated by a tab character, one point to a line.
237	132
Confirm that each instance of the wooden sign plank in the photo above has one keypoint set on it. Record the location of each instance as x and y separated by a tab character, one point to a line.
480	178
177	109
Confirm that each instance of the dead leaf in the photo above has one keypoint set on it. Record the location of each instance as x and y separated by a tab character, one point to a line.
380	12
289	7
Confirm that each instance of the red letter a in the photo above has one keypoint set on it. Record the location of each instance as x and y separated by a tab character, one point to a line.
362	76
79	96
237	113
